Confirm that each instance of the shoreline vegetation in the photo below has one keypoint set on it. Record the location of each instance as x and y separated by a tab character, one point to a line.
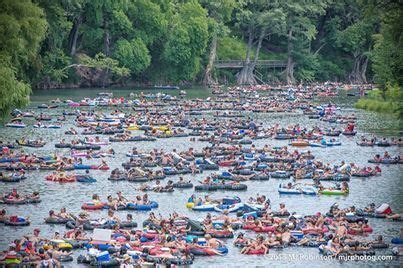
383	101
86	43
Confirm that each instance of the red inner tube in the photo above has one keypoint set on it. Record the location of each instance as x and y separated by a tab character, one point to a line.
89	206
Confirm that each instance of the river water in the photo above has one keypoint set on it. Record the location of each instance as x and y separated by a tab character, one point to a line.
387	188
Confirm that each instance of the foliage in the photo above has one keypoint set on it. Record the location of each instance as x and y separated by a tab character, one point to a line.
388	100
22	28
186	42
172	41
133	55
387	55
13	93
101	62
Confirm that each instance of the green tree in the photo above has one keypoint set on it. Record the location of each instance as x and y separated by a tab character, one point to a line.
300	31
387	55
219	13
258	20
133	55
186	42
22	28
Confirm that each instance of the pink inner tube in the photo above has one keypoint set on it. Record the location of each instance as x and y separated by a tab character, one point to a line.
155	251
150	235
220	232
256	252
315	230
100	167
367	229
248	226
265	229
226	163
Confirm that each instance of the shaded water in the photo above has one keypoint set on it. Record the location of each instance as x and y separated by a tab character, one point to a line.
386	188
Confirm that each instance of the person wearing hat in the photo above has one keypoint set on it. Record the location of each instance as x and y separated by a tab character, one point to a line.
126	262
82	218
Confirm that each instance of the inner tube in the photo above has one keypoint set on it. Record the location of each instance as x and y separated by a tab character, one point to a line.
13	178
379	245
244	172
333	192
364	230
383	161
111	263
92	206
50	220
362	174
341	177
262	177
279	214
397	240
358	253
264	229
256	252
349	133
85	179
183	185
206	187
280	175
221	234
132	206
15	201
65	258
62	145
236	187
206	207
20	222
209	167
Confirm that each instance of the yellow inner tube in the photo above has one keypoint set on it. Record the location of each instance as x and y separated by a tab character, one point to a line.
65	246
190	205
135	127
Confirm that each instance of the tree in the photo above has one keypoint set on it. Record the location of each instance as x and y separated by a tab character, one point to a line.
22	28
133	55
219	13
387	55
186	42
356	39
260	19
300	30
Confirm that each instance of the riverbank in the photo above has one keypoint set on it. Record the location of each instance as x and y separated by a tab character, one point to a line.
389	101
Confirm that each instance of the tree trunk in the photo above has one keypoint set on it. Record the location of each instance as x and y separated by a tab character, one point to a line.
364	70
259	46
242	76
208	78
355	75
106	39
290	62
74	35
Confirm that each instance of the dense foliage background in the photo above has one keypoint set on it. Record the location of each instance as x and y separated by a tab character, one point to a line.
56	43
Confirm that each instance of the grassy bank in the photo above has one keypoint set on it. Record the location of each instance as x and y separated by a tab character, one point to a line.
383	101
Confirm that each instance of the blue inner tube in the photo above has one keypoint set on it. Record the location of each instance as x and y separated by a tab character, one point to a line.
397	240
81	166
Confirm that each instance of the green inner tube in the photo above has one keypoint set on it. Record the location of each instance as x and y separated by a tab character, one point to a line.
333	192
